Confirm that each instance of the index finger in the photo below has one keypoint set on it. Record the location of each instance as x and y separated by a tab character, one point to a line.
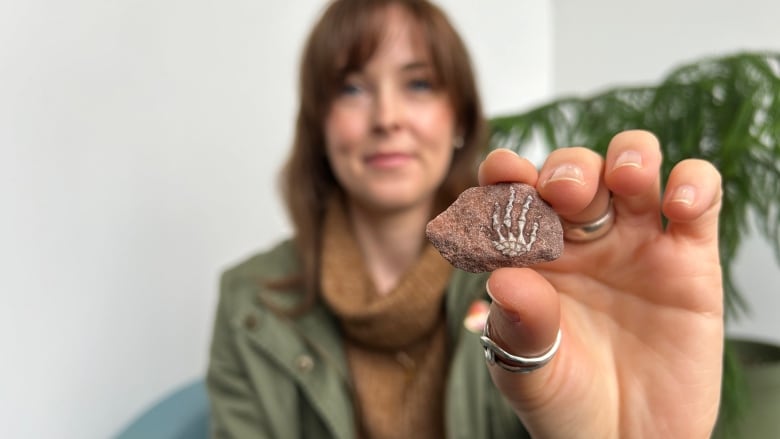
505	166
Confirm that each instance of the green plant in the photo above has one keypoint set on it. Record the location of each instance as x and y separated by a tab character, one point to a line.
725	110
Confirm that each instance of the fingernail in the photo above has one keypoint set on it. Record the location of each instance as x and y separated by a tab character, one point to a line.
628	158
487	288
685	194
567	172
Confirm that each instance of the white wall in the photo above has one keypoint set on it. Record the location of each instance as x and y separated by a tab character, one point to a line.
603	43
139	145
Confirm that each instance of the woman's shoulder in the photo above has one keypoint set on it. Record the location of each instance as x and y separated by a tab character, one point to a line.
278	260
255	272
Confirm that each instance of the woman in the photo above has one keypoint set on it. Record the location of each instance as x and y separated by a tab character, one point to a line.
355	327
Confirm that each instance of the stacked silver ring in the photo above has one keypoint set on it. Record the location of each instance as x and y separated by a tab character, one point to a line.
495	355
590	231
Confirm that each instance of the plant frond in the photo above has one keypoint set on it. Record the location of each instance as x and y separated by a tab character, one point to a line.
725	110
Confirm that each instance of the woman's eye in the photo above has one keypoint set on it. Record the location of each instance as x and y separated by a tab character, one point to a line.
350	89
420	85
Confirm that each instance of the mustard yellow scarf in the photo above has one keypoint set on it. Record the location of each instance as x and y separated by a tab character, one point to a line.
395	343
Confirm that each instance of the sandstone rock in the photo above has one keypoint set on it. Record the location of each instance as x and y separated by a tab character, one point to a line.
501	225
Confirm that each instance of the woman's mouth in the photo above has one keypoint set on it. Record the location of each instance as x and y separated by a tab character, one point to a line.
388	160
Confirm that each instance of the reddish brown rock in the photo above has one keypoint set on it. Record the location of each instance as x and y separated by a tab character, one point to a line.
501	225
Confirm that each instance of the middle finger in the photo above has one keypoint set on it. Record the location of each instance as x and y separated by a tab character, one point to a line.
570	180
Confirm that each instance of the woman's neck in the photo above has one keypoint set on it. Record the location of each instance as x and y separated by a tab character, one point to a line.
390	243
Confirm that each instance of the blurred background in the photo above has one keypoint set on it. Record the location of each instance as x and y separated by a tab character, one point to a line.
139	148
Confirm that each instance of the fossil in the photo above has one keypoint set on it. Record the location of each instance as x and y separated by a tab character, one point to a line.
501	225
514	245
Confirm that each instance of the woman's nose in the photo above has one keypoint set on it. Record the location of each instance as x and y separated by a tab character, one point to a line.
388	110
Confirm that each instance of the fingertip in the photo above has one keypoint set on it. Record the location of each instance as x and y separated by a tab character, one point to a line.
693	197
570	180
524	303
504	165
632	163
642	138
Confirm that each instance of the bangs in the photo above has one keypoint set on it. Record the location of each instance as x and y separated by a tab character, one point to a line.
357	40
352	37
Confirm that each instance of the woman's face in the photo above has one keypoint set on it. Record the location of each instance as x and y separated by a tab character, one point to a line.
389	133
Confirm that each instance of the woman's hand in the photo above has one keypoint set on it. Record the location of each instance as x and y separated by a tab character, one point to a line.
640	309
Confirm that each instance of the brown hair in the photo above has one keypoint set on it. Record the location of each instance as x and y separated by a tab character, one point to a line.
342	41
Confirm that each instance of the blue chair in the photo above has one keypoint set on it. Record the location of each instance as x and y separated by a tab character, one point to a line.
182	414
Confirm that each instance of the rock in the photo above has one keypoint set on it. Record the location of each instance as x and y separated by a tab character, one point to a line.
501	225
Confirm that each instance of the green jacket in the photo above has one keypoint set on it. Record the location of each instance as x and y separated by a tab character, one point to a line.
276	377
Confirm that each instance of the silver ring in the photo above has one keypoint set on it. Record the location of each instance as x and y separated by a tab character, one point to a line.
591	231
495	355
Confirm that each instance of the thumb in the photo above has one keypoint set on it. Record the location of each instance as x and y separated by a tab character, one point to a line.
524	321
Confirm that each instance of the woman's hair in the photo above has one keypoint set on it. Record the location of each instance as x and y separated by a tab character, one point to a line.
343	41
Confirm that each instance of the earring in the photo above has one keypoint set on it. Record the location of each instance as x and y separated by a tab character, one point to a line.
457	142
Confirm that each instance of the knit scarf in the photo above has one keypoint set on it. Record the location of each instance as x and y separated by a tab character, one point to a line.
395	343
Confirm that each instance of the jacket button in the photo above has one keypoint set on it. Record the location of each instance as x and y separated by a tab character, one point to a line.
305	363
250	322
